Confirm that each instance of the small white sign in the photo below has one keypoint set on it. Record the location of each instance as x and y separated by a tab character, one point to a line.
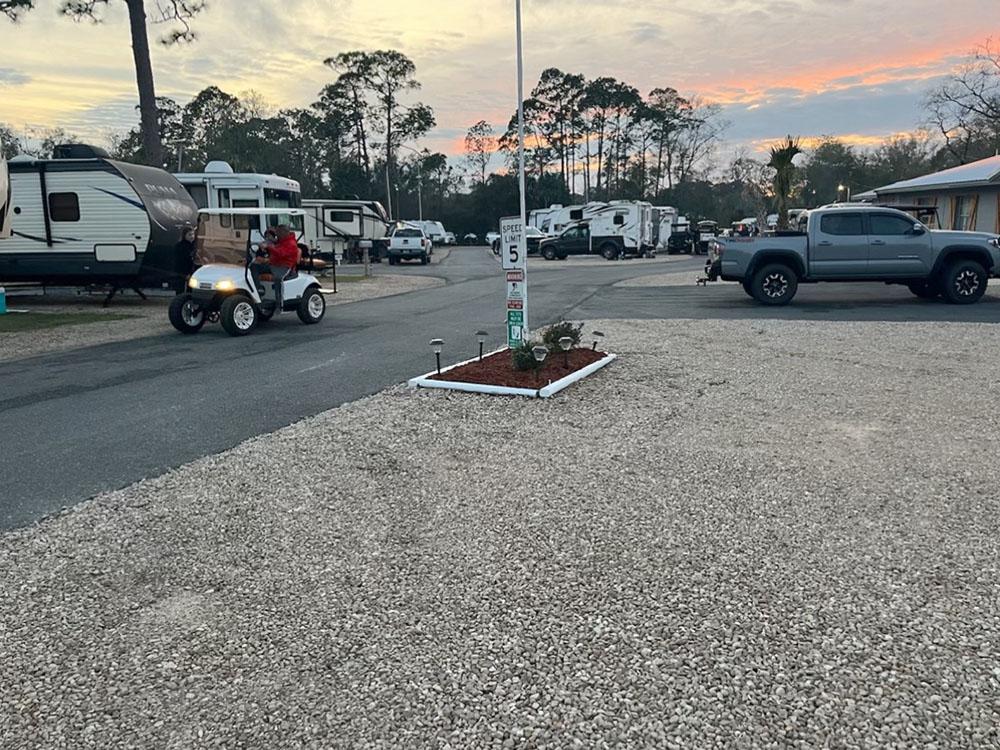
512	247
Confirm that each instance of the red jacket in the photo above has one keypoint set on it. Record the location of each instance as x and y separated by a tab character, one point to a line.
285	252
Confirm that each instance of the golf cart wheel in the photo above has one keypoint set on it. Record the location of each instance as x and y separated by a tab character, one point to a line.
239	315
185	315
549	253
924	290
312	307
609	251
775	284
964	282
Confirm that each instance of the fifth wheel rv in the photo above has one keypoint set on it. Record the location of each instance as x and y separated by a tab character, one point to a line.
94	220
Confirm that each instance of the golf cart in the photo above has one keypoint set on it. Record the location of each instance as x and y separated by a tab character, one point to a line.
222	288
707	231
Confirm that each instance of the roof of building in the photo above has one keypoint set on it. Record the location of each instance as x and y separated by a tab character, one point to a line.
976	174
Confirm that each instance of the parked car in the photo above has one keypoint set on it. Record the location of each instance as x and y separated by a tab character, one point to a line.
471	239
449	238
859	243
408	242
533	237
492	238
573	240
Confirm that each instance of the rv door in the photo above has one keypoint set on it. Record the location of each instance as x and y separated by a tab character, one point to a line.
5	201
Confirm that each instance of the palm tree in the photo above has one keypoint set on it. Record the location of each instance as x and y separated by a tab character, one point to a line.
783	163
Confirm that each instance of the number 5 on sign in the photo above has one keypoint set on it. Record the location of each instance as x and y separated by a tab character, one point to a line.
512	243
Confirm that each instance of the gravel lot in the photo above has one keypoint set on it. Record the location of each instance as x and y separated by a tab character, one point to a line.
150	316
741	534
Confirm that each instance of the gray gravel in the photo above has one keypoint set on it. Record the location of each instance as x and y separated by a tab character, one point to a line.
741	534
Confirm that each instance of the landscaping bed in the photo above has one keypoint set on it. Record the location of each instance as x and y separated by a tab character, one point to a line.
496	369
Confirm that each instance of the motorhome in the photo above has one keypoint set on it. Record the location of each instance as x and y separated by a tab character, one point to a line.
95	220
663	224
5	194
434	231
343	226
220	187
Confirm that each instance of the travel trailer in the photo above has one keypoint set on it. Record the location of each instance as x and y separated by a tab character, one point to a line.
663	224
220	187
94	220
612	230
434	230
5	194
342	226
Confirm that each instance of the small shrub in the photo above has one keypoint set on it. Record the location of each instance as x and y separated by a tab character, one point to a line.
522	357
557	331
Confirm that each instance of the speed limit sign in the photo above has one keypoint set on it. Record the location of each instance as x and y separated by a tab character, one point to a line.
512	244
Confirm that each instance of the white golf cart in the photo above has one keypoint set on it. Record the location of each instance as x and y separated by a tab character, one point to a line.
222	288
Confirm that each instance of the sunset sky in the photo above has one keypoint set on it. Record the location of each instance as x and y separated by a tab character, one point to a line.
852	68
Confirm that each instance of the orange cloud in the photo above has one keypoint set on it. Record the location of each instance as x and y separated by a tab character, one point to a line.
916	66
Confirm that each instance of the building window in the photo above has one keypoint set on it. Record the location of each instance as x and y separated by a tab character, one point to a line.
964	213
930	217
64	207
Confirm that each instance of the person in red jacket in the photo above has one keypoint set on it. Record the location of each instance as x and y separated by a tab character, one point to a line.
282	256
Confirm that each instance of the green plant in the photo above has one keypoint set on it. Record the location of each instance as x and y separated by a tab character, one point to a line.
557	331
522	357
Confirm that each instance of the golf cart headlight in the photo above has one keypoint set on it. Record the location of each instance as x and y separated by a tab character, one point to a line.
226	285
193	282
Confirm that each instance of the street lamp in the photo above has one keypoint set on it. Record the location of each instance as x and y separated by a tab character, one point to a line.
437	345
597	335
481	335
566	342
420	181
844	189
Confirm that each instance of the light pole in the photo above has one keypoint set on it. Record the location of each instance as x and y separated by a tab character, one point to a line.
523	242
844	189
420	182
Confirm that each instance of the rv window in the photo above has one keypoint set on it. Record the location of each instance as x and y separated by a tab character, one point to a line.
281	199
225	220
199	194
576	214
340	217
619	219
64	207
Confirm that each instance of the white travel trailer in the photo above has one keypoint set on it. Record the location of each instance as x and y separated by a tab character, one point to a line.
5	194
220	187
664	218
342	225
85	221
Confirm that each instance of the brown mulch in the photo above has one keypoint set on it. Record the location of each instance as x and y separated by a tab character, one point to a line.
497	369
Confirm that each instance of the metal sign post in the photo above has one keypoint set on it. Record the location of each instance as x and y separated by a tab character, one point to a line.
515	248
515	265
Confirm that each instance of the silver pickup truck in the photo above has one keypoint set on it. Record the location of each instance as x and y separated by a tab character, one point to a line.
859	243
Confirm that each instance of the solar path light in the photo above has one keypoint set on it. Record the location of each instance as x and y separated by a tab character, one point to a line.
597	335
481	335
566	343
540	353
437	345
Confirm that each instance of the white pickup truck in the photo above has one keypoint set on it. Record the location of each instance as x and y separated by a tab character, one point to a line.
858	243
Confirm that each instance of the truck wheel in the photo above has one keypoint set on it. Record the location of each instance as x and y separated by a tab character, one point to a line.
563	256
775	284
549	253
238	315
609	251
748	288
964	282
185	315
924	290
312	307
424	260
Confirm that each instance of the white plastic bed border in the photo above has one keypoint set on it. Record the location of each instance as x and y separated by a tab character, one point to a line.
547	391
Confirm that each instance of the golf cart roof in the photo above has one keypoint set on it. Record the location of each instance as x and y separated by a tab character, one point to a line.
254	211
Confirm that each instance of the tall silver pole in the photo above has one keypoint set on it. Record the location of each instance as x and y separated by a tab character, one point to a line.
388	190
522	245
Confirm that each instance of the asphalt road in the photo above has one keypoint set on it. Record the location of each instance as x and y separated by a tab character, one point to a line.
82	422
